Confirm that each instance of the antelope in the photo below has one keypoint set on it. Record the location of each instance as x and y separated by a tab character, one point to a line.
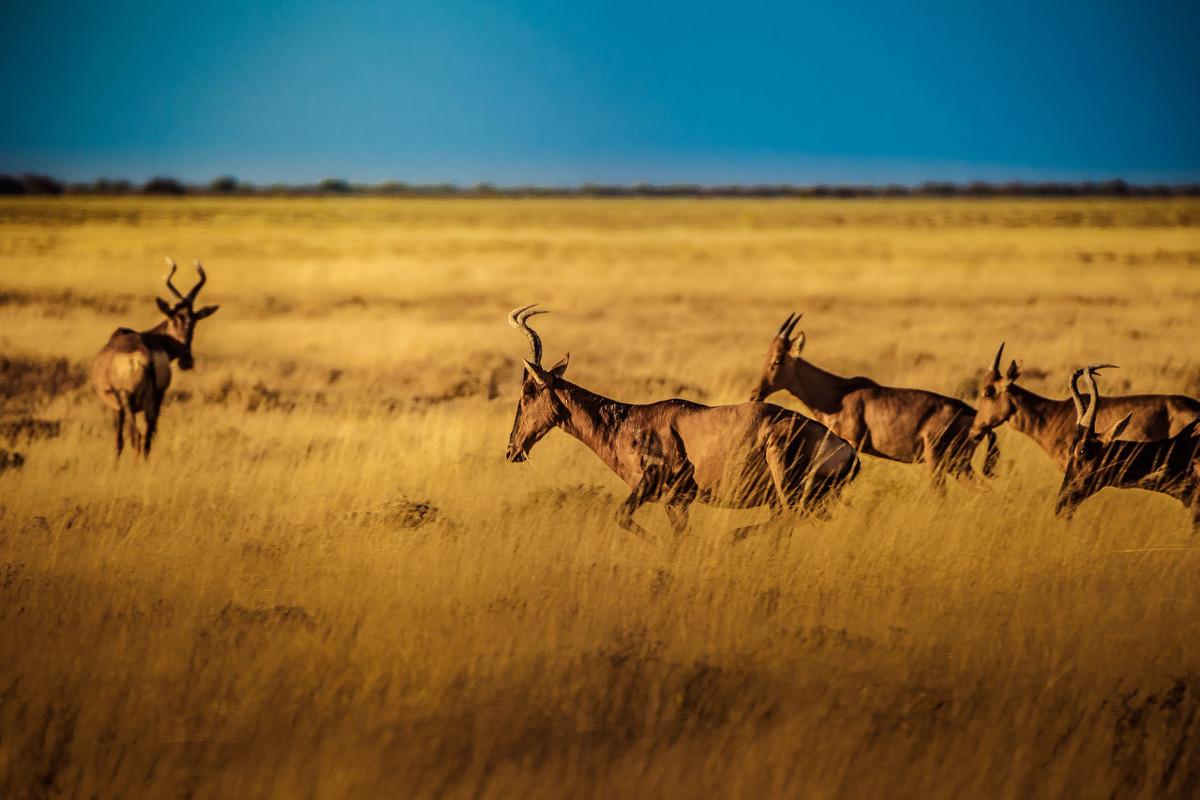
675	451
906	425
1170	465
132	372
1052	423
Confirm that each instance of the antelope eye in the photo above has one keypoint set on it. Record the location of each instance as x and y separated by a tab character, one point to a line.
989	391
777	362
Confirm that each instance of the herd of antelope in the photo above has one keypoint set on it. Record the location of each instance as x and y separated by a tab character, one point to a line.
756	454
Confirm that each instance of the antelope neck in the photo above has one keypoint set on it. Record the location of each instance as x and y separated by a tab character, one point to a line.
592	419
819	389
1042	419
159	337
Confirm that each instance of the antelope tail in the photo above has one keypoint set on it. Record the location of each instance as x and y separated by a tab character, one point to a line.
993	455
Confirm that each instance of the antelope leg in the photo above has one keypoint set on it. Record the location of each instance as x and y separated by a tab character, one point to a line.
992	457
818	501
625	516
678	515
649	485
135	436
120	429
135	433
933	463
681	493
777	464
741	533
958	456
153	407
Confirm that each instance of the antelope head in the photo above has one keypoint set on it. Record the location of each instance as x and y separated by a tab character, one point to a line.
995	404
1090	469
538	409
780	365
182	316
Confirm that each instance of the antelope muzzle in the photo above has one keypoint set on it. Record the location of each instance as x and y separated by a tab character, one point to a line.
514	454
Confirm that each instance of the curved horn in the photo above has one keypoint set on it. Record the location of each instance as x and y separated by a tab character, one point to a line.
785	324
1073	385
196	289
171	274
790	325
519	319
996	362
1089	419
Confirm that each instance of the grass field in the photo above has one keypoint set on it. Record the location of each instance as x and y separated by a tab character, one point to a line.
327	582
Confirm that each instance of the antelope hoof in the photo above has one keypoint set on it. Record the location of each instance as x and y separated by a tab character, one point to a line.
739	534
631	526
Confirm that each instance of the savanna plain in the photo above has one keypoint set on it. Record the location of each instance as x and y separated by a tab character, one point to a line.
327	582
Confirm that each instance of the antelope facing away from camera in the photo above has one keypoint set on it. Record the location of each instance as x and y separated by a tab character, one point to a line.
676	451
1052	423
132	372
908	425
1170	466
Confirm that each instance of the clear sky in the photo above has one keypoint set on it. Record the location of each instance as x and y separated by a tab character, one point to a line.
561	92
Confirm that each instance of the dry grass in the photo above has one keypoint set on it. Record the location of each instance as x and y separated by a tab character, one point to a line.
327	582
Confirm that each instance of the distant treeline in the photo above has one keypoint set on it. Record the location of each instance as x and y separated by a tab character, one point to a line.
44	185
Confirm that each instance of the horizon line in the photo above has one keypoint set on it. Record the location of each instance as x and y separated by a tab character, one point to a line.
32	183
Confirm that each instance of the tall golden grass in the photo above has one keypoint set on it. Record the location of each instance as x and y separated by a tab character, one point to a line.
326	581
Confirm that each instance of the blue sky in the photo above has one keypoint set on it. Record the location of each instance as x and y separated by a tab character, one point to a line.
615	91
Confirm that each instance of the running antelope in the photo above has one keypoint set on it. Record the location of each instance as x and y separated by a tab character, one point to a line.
1052	423
907	425
1170	466
676	451
132	372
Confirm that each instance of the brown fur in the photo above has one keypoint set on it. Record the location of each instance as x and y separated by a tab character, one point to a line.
132	371
907	425
1170	466
1052	423
675	451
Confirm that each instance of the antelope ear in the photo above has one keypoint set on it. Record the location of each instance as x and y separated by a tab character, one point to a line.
1116	430
207	311
163	306
539	375
1014	372
798	343
558	369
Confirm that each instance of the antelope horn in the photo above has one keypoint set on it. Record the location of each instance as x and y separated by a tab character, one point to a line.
519	319
790	325
171	274
785	324
196	289
1089	420
996	362
1073	384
